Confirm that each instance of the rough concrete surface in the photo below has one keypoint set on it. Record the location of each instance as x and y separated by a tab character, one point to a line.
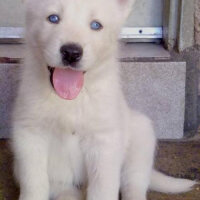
192	58
197	22
8	86
186	30
198	68
158	90
179	159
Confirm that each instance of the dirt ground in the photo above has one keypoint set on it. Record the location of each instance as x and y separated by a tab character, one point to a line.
180	159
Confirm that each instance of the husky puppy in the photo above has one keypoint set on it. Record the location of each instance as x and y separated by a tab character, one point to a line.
74	136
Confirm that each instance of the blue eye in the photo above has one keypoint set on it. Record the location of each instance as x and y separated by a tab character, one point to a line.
94	25
55	19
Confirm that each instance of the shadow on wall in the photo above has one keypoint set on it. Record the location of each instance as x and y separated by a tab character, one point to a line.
9	80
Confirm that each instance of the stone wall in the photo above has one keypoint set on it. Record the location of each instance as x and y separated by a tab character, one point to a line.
197	22
197	40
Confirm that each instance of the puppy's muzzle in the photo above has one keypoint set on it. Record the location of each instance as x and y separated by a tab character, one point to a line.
71	54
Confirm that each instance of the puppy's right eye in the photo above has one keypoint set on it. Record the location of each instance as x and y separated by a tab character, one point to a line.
54	19
95	25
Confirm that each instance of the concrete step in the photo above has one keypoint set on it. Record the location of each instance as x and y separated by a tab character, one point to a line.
9	80
154	88
158	90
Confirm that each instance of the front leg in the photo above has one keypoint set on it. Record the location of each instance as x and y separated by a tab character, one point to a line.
103	163
30	151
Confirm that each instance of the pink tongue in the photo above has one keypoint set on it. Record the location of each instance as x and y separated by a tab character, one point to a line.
67	83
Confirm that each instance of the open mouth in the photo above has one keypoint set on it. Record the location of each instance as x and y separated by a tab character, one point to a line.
66	82
51	70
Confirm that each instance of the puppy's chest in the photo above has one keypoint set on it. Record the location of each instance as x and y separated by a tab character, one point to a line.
85	116
65	162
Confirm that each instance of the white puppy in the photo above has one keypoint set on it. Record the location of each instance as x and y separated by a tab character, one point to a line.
74	136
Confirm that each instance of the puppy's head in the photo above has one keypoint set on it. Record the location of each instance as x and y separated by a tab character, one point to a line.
76	34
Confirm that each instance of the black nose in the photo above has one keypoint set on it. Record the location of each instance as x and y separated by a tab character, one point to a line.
71	53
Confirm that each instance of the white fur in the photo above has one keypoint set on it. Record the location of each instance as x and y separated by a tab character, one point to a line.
166	184
93	146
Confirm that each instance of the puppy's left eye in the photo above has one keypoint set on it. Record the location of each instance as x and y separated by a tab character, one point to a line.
55	19
95	25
